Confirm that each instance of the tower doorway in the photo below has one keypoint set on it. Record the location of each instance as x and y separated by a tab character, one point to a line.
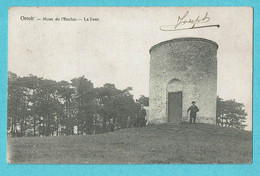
175	107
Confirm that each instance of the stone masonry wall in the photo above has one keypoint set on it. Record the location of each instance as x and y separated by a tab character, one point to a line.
193	63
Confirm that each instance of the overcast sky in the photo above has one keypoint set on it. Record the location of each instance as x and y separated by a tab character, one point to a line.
115	49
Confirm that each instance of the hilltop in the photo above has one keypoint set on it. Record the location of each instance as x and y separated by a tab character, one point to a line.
165	143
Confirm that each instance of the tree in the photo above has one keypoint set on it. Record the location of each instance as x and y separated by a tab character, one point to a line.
19	104
14	97
31	84
143	100
220	111
84	96
126	107
105	99
115	106
44	107
230	114
67	117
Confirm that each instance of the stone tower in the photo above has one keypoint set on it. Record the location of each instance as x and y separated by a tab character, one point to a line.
183	70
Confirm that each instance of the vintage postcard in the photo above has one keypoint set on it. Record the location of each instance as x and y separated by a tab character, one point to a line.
130	85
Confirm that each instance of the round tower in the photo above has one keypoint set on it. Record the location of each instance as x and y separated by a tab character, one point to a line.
183	70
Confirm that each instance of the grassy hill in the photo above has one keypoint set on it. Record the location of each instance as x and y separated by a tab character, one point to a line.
166	143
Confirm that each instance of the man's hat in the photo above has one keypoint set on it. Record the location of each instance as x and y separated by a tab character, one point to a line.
193	102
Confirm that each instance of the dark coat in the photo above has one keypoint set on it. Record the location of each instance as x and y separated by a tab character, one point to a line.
193	110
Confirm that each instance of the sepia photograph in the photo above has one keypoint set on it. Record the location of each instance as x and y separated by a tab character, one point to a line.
130	85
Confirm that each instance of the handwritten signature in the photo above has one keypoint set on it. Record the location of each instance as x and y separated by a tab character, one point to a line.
183	21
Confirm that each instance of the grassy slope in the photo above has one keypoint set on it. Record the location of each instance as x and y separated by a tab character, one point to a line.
167	143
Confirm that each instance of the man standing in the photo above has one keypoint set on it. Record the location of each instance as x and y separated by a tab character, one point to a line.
193	112
141	117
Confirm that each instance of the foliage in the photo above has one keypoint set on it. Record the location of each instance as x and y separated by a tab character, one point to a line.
143	100
230	114
42	107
